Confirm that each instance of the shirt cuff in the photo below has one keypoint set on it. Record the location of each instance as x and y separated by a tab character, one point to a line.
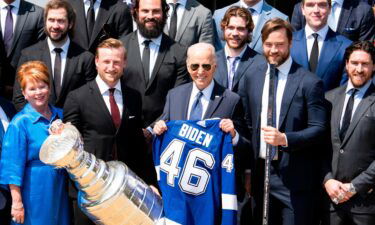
235	139
286	141
150	130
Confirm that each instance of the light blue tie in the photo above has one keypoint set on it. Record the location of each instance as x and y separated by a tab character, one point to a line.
232	70
197	109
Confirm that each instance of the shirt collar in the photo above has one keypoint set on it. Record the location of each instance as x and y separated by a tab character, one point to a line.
36	116
181	2
322	32
64	47
227	51
103	87
340	2
88	1
15	4
257	7
156	41
285	67
361	91
206	92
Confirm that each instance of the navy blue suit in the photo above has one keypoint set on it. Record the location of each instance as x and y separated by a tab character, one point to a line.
303	118
9	110
331	64
249	61
356	20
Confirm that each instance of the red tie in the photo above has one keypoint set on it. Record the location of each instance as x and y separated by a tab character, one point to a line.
115	112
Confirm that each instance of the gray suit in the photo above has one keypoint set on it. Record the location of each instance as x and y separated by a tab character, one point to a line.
196	25
268	12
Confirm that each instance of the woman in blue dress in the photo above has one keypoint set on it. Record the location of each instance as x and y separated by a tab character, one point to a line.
39	194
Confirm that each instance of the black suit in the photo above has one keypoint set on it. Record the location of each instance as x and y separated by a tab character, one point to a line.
79	68
356	20
353	158
169	71
113	20
5	199
303	120
85	108
28	31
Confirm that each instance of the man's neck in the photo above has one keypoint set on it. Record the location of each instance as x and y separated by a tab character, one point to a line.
234	52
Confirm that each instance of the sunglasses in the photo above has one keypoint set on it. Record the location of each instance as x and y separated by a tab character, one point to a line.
195	67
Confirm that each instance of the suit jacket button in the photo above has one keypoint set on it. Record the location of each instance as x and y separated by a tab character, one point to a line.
341	151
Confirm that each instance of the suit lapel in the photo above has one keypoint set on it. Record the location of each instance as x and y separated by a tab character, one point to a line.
23	13
125	110
344	15
292	84
337	112
105	10
221	74
81	21
159	60
216	98
301	48
134	56
46	58
257	81
67	71
183	107
186	17
329	50
246	60
366	102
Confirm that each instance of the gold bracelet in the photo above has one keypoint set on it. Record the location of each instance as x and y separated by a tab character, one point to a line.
18	208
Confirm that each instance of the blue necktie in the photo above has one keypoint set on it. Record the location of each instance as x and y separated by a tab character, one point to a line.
232	70
8	31
197	109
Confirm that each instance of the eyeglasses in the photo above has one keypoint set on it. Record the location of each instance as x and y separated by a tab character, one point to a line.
195	67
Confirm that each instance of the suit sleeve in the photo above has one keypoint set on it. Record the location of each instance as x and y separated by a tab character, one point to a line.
365	180
182	73
367	32
72	110
297	17
18	98
40	27
207	30
90	70
217	32
125	23
316	119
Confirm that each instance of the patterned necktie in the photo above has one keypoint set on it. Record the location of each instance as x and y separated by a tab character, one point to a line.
173	22
232	70
115	112
8	31
90	21
197	109
348	114
314	55
57	71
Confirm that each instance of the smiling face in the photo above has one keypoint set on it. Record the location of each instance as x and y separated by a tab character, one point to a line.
360	68
36	92
110	63
57	25
202	75
150	21
236	33
276	47
316	13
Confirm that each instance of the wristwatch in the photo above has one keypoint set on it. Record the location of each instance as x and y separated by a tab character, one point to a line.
352	189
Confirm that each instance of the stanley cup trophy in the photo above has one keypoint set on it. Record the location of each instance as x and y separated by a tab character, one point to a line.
109	193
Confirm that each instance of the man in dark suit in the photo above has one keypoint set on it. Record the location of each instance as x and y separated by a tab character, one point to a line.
7	112
21	26
69	64
323	55
157	63
236	58
98	20
350	180
109	116
352	18
189	22
261	12
298	125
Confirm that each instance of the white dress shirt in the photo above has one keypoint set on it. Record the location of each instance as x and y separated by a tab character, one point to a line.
258	10
322	33
283	76
357	97
86	4
4	12
180	12
154	49
4	119
63	55
336	11
103	88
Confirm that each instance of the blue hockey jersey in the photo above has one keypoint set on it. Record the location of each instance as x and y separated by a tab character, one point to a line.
195	168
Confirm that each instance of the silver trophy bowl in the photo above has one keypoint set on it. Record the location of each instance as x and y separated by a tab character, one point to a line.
109	193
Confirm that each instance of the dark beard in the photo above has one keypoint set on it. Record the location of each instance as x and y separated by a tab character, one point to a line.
153	32
61	38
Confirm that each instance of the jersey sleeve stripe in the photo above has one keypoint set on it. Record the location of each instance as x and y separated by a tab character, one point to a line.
157	169
229	202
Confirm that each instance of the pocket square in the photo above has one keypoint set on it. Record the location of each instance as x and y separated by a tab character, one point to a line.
131	117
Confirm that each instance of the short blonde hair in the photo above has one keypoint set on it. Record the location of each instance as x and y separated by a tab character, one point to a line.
110	43
32	71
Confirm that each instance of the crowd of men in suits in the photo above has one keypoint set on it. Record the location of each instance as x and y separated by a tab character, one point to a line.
162	53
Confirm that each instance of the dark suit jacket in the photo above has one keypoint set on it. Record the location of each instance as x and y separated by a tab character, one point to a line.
28	31
331	65
169	72
85	108
303	119
79	69
113	20
248	64
356	20
9	110
353	159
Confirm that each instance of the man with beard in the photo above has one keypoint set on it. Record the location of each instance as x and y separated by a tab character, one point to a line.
69	64
158	63
292	131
